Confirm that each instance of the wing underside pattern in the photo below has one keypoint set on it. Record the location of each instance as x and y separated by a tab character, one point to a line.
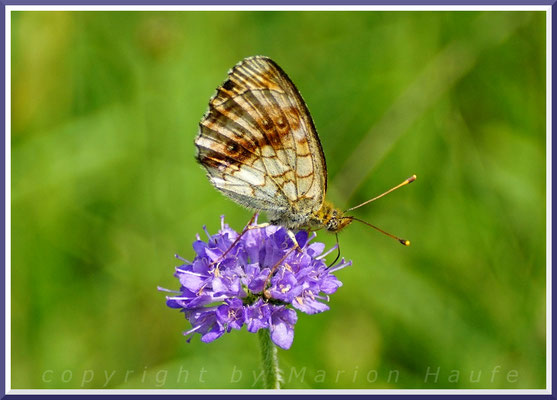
258	142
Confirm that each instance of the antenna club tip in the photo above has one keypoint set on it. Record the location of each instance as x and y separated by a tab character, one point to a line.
412	178
404	242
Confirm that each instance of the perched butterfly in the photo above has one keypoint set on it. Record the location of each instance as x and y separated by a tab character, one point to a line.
259	146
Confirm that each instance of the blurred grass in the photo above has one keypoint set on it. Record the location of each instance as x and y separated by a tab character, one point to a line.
105	191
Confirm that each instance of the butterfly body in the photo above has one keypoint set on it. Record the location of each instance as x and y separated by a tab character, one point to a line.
260	147
327	217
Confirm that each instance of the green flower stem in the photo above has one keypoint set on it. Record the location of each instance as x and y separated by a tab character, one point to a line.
271	372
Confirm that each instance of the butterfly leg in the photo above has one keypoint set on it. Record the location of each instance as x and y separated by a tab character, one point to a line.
258	226
296	246
288	232
248	226
293	238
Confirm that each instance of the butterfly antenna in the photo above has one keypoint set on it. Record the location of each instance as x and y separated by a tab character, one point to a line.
406	182
402	241
338	253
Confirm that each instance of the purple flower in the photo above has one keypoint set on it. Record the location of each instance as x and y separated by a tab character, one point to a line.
258	279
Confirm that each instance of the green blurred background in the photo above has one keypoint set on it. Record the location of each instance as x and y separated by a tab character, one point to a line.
105	190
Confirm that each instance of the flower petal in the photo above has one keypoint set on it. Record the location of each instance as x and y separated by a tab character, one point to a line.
282	327
192	282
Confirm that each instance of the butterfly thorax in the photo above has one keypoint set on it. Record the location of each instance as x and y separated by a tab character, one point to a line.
327	217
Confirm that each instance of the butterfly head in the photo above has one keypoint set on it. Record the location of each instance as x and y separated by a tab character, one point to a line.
338	222
331	218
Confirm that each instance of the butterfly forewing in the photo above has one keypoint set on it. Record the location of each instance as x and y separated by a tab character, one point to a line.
258	142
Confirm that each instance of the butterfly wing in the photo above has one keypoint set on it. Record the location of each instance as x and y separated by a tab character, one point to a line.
258	142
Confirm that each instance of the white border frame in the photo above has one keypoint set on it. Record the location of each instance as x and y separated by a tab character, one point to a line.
8	11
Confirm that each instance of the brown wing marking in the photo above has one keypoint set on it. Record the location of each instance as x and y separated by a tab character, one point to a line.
248	111
302	127
258	141
262	72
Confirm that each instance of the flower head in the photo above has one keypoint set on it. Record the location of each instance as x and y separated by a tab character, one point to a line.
258	279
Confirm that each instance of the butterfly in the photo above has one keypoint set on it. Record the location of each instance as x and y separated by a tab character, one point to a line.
260	148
